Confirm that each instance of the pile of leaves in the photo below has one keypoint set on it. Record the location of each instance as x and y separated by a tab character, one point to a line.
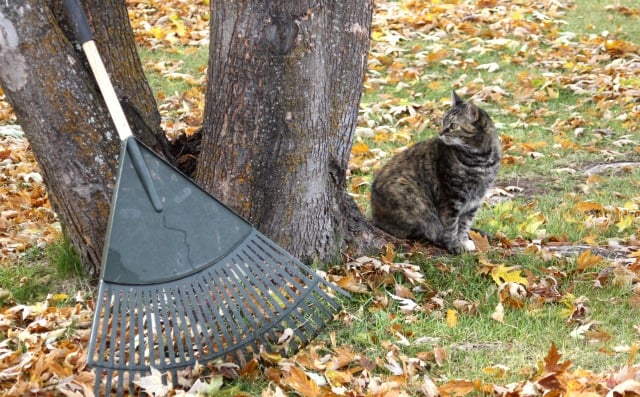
26	218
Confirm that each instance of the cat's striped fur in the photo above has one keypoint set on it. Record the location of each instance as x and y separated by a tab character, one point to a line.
433	189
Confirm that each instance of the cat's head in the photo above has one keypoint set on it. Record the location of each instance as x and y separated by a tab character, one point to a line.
466	125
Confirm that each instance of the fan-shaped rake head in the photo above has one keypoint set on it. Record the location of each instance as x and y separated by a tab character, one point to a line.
230	311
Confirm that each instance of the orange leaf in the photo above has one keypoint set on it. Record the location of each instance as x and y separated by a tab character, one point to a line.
350	284
389	253
302	383
587	259
588	206
360	149
551	361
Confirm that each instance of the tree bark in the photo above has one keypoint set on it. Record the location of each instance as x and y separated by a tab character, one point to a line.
63	115
284	85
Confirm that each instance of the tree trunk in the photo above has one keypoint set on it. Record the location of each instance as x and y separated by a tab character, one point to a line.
63	115
284	85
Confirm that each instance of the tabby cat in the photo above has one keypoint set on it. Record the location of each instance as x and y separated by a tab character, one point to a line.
433	189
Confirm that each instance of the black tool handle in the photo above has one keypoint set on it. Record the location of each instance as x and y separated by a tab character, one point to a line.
78	19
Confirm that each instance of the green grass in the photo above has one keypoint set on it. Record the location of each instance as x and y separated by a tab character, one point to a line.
55	269
164	66
479	342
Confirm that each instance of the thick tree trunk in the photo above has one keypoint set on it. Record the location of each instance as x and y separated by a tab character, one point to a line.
63	115
285	79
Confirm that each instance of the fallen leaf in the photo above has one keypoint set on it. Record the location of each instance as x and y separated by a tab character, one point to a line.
587	259
498	313
503	274
452	318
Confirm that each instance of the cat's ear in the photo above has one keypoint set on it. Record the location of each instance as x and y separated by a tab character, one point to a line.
455	99
473	111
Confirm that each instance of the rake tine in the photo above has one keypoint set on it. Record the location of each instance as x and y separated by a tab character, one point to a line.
120	386
251	311
236	316
165	303
220	311
287	310
149	319
273	297
114	329
259	262
263	258
107	387
211	315
122	320
159	333
178	329
190	298
138	331
188	308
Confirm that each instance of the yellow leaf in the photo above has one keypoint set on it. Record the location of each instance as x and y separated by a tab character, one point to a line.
60	297
497	371
377	35
350	284
505	274
179	24
157	32
452	318
625	222
532	224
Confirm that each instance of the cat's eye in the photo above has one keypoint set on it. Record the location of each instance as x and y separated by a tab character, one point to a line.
453	126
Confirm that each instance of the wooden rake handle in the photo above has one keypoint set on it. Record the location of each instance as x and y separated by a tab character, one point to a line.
80	26
78	20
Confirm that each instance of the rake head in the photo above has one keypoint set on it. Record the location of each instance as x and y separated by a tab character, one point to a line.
240	305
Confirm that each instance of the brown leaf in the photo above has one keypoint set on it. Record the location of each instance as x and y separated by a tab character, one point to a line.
481	242
457	388
498	314
440	355
552	362
298	380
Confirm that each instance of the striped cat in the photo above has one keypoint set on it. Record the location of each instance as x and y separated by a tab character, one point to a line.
433	189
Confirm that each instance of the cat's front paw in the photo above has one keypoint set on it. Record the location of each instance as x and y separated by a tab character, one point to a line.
468	245
459	247
454	248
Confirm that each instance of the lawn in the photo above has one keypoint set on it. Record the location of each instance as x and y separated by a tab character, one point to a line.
548	304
